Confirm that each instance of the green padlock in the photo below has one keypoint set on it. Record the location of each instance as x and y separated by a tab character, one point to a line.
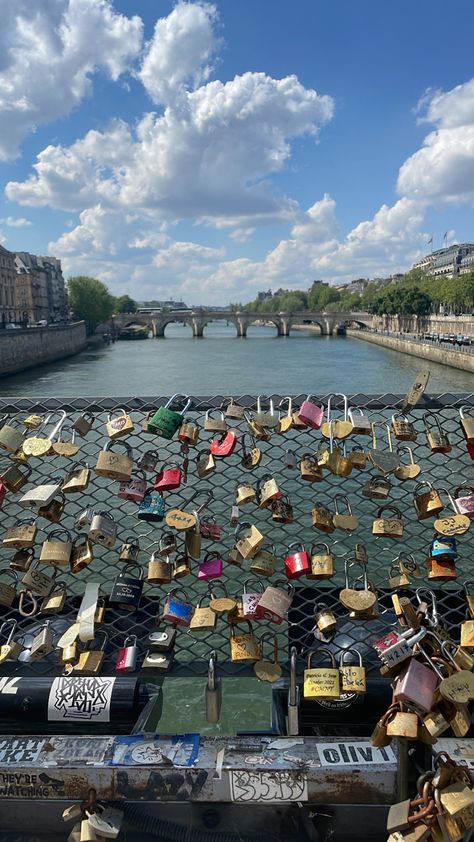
166	420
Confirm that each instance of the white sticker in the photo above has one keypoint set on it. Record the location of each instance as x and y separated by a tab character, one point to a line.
20	749
268	786
9	686
354	754
79	699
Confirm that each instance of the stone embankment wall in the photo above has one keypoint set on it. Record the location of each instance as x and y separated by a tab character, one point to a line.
29	347
455	359
425	324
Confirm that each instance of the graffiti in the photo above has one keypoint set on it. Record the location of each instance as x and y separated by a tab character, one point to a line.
163	786
80	698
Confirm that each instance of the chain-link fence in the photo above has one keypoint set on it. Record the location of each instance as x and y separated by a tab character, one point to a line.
445	471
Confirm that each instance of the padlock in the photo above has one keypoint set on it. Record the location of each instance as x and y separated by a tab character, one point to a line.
177	611
77	479
264	669
181	566
410	471
402	724
221	604
402	427
435	723
385	461
396	647
134	489
205	464
297	562
234	515
352	675
310	414
211	567
183	520
33	421
358	457
3	493
443	548
162	640
55	602
167	544
193	543
250	599
26	596
117	466
266	418
42	644
127	655
322	563
348	522
103	529
21	561
360	554
244	493
188	433
148	461
437	439
361	425
427	503
397	578
37	581
119	424
282	510
357	600
275	602
54	510
250	458
321	682
106	823
11	649
39	445
14	477
203	619
22	534
214	424
232	409
90	660
160	661
322	519
249	540
289	459
224	445
416	685
458	687
56	550
166	421
377	488
440	570
337	460
11	438
84	520
213	692
388	527
61	447
267	491
339	428
310	471
127	590
464	503
40	496
152	507
169	478
244	647
99	615
264	562
466	415
159	571
324	619
8	592
84	423
285	421
461	655
457	523
130	550
81	554
209	528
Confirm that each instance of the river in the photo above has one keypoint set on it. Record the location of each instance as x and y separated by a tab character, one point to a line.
221	364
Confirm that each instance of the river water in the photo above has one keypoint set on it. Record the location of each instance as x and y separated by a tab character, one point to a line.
220	363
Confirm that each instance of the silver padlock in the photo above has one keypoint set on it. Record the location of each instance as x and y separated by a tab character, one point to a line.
42	644
127	655
213	691
40	496
85	519
103	529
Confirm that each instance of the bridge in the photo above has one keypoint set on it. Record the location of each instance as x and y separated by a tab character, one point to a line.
199	317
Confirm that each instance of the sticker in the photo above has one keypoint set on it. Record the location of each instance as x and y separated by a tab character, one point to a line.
9	686
354	754
268	786
20	749
68	751
27	785
179	750
80	699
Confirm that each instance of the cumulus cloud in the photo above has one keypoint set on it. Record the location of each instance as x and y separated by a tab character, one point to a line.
15	221
48	55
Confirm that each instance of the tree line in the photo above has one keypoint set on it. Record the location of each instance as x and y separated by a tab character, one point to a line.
417	293
90	299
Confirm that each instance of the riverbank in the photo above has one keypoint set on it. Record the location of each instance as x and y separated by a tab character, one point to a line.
31	347
455	359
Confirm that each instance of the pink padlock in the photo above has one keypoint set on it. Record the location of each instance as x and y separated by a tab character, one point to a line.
168	478
3	492
251	600
211	567
297	563
311	414
416	686
134	489
464	504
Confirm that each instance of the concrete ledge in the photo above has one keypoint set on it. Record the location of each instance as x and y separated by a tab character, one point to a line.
27	348
455	359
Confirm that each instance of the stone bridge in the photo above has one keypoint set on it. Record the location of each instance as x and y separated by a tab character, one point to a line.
198	318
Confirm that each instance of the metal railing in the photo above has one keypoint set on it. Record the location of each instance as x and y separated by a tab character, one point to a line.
445	471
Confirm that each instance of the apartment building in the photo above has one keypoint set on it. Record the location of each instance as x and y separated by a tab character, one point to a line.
447	262
40	289
8	306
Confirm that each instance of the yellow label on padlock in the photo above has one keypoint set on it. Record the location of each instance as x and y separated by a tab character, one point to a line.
321	683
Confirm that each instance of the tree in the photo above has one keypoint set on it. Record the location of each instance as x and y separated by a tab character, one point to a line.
320	296
90	300
125	304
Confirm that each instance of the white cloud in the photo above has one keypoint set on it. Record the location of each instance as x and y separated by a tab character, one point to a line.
49	52
15	221
180	53
443	169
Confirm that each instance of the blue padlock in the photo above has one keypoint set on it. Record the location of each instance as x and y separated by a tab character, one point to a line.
152	508
166	420
177	610
443	547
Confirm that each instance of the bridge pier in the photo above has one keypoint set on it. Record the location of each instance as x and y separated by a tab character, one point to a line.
327	327
241	328
284	327
198	326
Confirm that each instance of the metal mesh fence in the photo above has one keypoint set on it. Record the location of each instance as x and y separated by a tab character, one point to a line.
445	471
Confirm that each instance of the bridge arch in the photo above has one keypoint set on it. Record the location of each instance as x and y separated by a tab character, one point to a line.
258	322
227	319
308	323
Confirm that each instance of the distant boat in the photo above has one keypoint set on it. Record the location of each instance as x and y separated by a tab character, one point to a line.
134	332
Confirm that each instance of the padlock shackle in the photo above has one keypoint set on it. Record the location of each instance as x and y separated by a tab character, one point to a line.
313	652
345	652
252	581
388	431
345	404
293	692
10	622
284	400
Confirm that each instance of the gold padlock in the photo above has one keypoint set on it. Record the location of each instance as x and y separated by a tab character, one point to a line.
321	682
322	519
322	563
410	471
43	643
358	457
438	441
204	618
352	675
264	562
81	554
55	602
77	479
69	654
348	522
54	509
11	649
427	503
90	660
14	478
160	570
56	550
402	724
324	618
188	432
310	470
402	427
119	424
397	578
22	534
116	466
267	491
22	560
99	612
388	527
244	647
249	540
358	601
245	493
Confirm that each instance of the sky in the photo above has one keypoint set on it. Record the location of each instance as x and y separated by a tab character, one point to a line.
206	151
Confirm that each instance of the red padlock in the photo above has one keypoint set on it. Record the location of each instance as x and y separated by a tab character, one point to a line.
3	492
470	449
224	445
127	655
297	563
209	528
169	478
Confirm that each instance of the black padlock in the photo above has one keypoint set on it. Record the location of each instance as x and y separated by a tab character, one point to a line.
127	589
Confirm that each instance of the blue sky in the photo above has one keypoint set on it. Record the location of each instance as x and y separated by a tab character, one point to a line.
208	150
